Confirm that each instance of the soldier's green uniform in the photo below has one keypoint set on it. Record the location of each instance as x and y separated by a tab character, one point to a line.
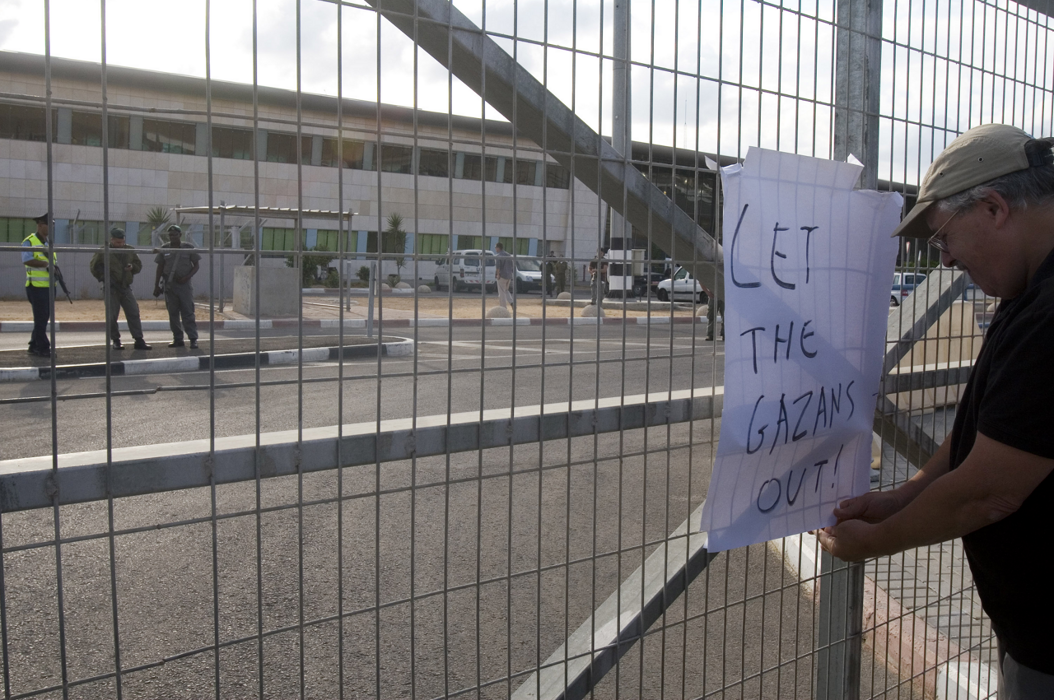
124	266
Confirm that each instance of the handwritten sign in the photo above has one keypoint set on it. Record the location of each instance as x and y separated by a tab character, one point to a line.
808	264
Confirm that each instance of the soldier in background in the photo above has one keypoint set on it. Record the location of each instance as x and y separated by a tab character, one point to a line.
177	262
124	266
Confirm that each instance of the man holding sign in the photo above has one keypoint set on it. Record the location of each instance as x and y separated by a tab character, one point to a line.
987	203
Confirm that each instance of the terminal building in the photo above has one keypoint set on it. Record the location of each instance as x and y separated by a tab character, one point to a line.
456	182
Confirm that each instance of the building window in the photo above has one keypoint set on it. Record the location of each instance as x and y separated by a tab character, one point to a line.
469	242
371	241
474	167
524	171
278	239
329	240
25	123
230	143
519	246
432	243
434	163
88	233
281	148
169	137
86	129
491	171
397	159
354	154
15	230
557	176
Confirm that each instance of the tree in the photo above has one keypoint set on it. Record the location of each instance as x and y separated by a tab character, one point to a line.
155	218
393	240
309	264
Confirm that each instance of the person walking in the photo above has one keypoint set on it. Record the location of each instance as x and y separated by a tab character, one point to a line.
987	204
548	271
124	266
560	268
38	284
504	273
177	262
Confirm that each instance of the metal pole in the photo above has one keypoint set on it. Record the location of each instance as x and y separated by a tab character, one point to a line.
369	299
223	258
857	75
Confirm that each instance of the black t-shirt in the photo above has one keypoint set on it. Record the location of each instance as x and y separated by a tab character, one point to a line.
1010	398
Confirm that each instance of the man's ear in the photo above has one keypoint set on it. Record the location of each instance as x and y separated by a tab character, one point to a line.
996	208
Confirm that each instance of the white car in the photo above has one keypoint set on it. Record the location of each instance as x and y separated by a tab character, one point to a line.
681	286
466	270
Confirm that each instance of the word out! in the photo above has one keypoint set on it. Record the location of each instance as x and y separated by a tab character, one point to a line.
774	491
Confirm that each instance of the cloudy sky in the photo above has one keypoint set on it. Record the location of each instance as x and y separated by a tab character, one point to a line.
765	73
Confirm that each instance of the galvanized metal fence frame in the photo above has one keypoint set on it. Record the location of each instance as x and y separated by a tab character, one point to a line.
574	670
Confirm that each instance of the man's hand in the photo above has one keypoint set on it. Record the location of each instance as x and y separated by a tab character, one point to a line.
157	290
872	507
851	540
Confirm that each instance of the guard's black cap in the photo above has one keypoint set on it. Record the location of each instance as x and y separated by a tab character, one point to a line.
175	229
42	219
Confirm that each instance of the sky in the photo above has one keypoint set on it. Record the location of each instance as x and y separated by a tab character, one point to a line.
753	74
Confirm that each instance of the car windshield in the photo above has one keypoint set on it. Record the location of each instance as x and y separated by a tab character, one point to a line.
528	264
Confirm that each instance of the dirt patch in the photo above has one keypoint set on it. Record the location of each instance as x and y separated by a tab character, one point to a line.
317	307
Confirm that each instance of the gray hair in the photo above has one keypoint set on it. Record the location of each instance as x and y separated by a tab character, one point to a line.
1022	189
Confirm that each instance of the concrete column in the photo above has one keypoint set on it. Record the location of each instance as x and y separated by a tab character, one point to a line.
135	133
620	274
64	128
201	139
316	150
261	145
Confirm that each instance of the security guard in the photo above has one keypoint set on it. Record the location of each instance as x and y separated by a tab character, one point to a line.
124	266
174	270
38	283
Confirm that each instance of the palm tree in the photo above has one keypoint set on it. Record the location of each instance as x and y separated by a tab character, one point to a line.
394	240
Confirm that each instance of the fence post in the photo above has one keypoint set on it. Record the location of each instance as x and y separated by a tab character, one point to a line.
858	77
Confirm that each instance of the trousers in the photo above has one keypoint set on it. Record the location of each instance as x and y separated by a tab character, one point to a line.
179	300
122	298
41	303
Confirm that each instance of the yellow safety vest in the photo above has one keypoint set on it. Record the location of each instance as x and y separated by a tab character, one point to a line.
38	276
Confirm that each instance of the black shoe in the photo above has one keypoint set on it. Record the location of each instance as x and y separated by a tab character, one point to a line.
42	353
117	345
140	344
709	337
176	344
193	345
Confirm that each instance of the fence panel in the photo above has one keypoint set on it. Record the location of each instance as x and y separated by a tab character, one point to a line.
377	475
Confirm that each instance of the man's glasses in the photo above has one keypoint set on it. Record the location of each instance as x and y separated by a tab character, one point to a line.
940	242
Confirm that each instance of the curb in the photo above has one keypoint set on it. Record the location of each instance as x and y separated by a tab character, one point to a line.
267	324
273	358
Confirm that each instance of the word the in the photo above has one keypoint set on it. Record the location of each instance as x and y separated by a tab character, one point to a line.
803	335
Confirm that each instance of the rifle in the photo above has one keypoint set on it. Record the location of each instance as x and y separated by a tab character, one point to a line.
62	283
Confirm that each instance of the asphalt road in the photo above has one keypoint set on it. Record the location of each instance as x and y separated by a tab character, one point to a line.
457	369
420	579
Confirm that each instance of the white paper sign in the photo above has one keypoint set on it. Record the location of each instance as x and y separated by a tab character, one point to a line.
808	264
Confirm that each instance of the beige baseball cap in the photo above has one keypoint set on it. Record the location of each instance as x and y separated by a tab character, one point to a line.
974	158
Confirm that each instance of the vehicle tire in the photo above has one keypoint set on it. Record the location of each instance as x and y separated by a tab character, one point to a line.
702	298
438	288
893	301
663	295
457	285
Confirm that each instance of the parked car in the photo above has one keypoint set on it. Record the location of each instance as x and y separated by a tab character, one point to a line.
904	283
467	269
682	285
648	283
528	275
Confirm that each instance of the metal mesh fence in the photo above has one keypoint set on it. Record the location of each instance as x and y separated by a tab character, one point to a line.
353	490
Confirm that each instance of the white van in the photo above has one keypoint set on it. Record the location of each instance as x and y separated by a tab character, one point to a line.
467	269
